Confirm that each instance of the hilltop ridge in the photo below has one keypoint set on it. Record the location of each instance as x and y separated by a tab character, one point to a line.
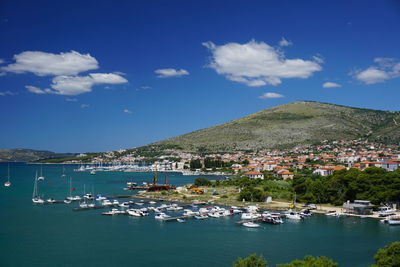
289	125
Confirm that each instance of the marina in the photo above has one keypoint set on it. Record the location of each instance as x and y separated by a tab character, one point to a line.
76	229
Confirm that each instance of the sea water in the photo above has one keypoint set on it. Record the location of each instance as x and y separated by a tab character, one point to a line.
55	235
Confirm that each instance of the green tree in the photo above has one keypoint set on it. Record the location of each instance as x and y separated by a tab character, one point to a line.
201	181
251	261
310	261
388	256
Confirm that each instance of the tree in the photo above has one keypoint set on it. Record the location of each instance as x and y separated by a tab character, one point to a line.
201	181
310	261
388	256
251	261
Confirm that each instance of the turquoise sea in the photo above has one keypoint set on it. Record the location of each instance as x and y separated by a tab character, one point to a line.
55	235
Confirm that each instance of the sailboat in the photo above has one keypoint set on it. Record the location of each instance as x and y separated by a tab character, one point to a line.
72	198
41	177
8	183
35	195
63	173
84	204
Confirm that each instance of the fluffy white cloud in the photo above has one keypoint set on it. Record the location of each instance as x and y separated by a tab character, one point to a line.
285	42
42	63
75	85
84	105
166	73
127	111
270	95
257	63
387	68
330	85
69	99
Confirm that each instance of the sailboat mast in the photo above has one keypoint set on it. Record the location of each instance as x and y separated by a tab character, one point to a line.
8	172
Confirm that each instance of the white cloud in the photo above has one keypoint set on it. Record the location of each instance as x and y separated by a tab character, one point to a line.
270	95
42	63
127	111
69	99
331	85
84	105
75	85
4	93
2	61
35	90
257	63
166	73
285	42
387	69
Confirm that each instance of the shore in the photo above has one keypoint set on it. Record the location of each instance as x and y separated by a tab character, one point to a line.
274	205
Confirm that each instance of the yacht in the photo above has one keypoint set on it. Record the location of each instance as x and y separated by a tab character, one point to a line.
8	183
51	200
41	177
35	195
161	216
100	198
201	217
293	215
106	202
67	201
272	219
83	205
250	216
394	220
251	224
386	211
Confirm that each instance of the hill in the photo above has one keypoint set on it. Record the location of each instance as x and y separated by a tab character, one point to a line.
289	125
21	154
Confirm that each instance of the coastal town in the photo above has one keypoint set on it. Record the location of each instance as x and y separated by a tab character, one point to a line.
322	159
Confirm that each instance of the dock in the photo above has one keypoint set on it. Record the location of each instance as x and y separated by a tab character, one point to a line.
175	218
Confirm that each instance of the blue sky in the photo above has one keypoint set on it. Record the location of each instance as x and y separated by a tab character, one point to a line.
81	76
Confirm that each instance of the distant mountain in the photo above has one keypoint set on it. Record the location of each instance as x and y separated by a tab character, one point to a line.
21	154
289	125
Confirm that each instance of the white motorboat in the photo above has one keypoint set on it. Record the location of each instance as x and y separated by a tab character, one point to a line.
161	216
293	215
124	205
386	211
251	224
100	198
51	200
67	201
93	172
250	216
113	212
135	212
152	202
394	220
334	214
83	205
181	220
213	215
115	202
106	202
201	217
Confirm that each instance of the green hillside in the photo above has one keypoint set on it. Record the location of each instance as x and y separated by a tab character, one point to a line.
297	123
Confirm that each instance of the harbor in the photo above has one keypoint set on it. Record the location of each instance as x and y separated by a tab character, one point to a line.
117	234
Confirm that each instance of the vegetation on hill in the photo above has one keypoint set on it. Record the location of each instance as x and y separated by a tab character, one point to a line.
374	184
289	125
389	256
24	155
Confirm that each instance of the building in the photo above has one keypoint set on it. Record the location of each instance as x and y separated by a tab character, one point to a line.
254	175
358	207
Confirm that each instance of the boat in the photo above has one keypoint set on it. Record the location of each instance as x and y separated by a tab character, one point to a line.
293	215
35	195
63	172
305	213
83	205
93	172
272	219
67	201
213	215
394	220
333	214
201	217
8	183
152	202
113	212
51	200
161	216
181	220
106	203
41	177
100	198
124	205
251	224
250	216
386	211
